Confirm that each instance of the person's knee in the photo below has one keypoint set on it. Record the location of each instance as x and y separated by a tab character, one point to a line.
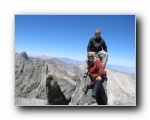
105	54
98	82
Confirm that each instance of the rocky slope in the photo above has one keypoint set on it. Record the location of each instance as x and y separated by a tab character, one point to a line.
53	81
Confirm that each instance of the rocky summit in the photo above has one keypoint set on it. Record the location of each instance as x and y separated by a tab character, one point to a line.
54	81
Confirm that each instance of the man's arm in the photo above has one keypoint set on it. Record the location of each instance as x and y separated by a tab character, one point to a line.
104	46
101	70
89	45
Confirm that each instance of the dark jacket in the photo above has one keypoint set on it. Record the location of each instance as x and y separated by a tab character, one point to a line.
95	69
96	45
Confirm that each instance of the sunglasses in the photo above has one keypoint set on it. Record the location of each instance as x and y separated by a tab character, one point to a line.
97	33
90	57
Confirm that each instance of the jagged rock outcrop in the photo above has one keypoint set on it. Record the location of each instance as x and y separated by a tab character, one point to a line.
30	81
55	82
30	78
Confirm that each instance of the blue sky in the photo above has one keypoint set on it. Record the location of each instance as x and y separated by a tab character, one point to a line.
68	36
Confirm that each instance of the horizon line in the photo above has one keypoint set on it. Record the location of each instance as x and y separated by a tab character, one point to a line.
35	55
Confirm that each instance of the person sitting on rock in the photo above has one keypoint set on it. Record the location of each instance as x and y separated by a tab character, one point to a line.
97	76
98	46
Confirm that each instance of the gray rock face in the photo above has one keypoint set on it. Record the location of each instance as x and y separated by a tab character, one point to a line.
30	78
79	97
41	82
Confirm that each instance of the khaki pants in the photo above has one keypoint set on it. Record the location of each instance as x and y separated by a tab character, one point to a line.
102	56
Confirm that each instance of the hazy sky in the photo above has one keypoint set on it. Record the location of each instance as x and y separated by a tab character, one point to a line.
68	36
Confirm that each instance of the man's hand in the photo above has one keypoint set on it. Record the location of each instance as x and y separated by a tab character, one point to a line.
99	78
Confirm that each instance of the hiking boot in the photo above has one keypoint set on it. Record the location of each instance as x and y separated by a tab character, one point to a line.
86	74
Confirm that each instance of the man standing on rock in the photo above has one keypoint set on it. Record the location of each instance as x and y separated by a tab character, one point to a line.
96	44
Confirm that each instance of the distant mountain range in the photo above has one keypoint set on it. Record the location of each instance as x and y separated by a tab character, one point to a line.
124	69
67	60
77	62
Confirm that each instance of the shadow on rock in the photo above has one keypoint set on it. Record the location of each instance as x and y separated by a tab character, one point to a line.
54	93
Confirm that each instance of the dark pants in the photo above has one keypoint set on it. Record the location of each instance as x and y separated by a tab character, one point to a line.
98	91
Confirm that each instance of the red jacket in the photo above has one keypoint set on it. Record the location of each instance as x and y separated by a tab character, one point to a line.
95	70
